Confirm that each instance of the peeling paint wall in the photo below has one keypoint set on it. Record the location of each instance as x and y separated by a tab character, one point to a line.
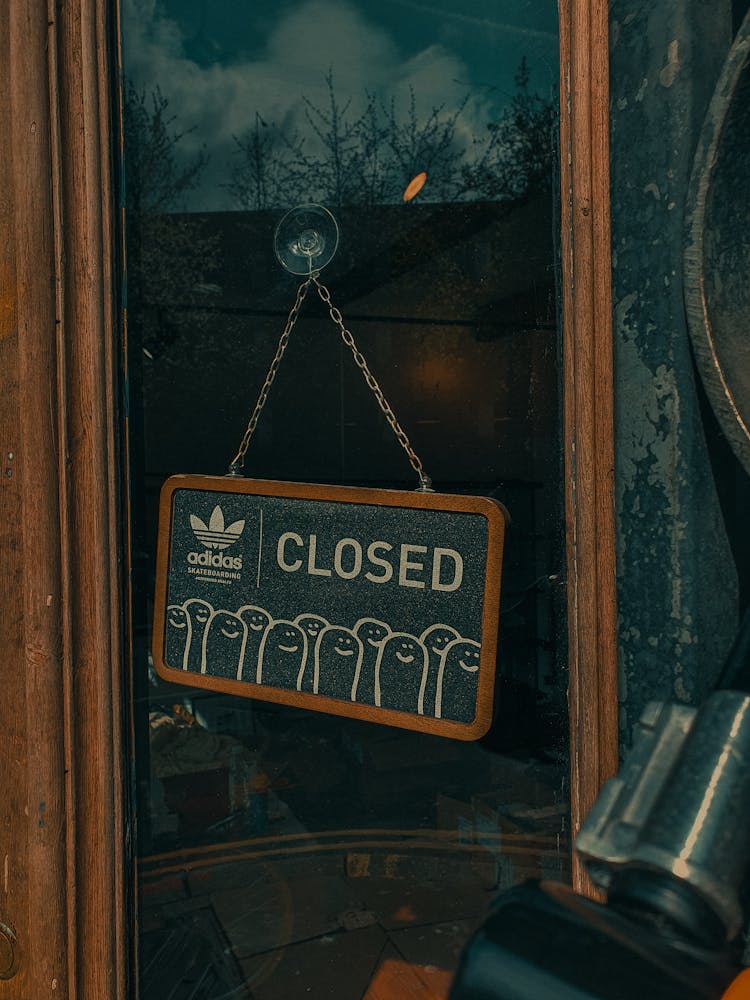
677	587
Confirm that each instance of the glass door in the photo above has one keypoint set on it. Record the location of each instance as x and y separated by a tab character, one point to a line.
285	853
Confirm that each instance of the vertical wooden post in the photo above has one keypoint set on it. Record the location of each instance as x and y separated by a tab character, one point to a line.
89	486
62	910
588	408
34	890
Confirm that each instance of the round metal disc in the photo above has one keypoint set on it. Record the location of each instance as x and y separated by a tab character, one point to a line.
717	252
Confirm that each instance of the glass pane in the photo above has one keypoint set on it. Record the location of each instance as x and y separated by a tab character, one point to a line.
284	853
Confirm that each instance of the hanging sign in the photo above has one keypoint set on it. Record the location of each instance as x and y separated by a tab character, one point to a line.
374	604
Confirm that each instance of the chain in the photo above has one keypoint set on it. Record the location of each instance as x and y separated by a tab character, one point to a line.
425	483
237	463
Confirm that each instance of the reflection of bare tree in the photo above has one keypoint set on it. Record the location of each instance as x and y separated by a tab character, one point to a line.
155	180
170	258
269	163
519	156
431	145
367	158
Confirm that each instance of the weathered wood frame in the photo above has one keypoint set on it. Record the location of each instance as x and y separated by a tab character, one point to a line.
588	404
65	922
65	770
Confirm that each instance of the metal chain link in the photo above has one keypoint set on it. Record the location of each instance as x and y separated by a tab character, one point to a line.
237	463
425	483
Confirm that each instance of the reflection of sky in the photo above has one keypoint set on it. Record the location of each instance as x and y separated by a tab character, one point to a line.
219	62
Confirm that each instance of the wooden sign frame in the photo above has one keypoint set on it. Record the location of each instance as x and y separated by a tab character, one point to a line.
490	510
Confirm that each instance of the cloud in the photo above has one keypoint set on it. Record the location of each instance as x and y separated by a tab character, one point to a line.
212	103
487	24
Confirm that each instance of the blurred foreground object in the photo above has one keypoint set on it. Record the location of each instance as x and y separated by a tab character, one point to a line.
668	840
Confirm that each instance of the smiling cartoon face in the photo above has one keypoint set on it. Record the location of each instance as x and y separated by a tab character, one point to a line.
467	655
198	612
224	646
401	673
458	681
405	649
177	639
282	656
338	661
312	626
255	618
437	637
177	617
371	632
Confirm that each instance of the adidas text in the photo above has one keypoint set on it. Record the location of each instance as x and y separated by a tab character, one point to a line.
209	559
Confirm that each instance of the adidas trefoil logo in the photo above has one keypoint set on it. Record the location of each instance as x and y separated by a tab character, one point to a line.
214	535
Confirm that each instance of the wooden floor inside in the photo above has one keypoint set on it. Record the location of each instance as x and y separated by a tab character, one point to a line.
362	915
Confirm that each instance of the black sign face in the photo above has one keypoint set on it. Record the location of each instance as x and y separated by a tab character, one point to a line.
376	604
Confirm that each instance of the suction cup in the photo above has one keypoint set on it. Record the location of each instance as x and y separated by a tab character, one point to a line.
306	239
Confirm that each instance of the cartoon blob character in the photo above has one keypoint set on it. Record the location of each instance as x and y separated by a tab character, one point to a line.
401	673
257	621
282	657
338	662
177	639
435	639
224	645
312	626
372	634
198	612
458	681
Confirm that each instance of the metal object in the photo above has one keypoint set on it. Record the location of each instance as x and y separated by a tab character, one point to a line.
8	952
680	805
609	837
390	416
717	250
237	463
306	239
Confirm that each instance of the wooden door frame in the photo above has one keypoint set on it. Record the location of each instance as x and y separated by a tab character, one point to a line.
588	405
65	770
64	852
